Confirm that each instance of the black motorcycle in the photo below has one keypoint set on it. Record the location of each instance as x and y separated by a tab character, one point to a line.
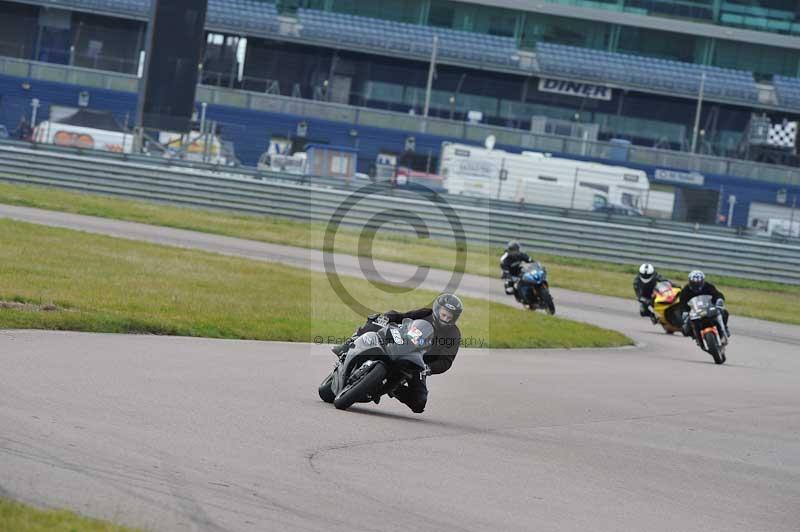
530	287
378	363
708	326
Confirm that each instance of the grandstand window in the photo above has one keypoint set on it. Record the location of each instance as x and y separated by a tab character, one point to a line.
18	30
383	92
495	21
668	45
691	9
397	10
776	16
561	30
763	60
106	43
468	17
779	16
442	14
762	7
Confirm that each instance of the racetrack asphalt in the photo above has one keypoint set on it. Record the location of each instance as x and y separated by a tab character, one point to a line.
219	435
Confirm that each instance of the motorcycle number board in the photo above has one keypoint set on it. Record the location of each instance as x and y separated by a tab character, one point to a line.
396	336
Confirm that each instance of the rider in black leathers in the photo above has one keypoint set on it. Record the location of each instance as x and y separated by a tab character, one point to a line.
511	265
512	259
643	285
698	286
443	315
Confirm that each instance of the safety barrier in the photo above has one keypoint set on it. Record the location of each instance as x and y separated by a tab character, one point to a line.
317	200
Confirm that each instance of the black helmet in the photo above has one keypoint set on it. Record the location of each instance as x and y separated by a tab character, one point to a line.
446	309
513	246
697	280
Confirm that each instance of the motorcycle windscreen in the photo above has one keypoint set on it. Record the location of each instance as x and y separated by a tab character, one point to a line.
699	306
533	272
410	344
368	340
664	292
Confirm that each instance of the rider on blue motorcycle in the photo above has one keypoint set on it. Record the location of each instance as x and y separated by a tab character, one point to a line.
511	266
512	260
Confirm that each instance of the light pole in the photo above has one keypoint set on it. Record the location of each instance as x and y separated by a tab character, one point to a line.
203	106
455	95
34	111
429	87
696	129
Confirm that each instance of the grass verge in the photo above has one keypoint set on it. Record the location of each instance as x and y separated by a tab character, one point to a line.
18	517
757	299
54	278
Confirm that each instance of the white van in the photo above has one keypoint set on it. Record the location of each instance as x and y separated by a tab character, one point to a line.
539	178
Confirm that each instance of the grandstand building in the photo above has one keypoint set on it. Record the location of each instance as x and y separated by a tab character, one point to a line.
534	73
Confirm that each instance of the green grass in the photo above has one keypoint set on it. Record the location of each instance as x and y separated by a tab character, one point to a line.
104	284
758	299
18	517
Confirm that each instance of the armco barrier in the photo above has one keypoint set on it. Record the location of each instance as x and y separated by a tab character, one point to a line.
278	195
148	164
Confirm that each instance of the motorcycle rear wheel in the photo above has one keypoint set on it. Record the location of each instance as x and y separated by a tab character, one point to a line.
360	390
712	342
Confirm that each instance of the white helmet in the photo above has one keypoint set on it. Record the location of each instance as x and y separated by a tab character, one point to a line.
646	272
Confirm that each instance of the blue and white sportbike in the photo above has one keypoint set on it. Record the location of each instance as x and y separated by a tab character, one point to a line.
530	287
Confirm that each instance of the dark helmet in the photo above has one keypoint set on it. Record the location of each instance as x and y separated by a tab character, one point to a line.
697	280
646	272
512	246
446	309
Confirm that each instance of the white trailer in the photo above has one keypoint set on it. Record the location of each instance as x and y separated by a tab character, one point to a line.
538	178
75	136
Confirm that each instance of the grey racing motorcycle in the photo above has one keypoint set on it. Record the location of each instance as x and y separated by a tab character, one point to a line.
705	318
377	363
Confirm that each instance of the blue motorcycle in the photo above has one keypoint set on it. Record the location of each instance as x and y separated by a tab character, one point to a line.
531	289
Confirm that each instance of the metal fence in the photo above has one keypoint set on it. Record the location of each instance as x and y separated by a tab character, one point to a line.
361	116
318	202
473	201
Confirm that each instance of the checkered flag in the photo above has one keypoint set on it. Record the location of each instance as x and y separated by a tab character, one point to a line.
783	135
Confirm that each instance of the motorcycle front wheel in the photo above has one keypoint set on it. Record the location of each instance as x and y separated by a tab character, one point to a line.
324	390
544	293
712	342
364	383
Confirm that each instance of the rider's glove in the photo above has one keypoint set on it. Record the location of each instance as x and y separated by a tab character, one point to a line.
425	372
